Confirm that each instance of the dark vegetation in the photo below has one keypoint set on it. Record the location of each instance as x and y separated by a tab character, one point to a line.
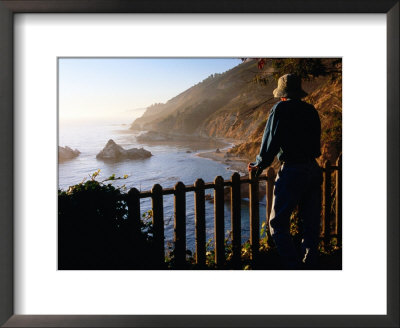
94	231
306	68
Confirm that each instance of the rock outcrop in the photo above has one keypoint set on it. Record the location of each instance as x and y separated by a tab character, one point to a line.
66	153
114	152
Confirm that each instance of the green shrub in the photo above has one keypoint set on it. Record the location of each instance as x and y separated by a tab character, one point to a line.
95	232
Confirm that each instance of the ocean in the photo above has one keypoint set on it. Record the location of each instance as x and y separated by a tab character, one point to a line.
169	164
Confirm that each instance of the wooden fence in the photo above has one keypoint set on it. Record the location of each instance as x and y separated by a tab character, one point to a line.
331	226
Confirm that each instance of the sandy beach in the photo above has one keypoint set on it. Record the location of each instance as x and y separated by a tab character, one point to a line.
235	163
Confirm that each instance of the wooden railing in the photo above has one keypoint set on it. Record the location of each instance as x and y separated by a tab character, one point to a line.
329	227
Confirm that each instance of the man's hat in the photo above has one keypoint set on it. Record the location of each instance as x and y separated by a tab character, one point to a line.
289	86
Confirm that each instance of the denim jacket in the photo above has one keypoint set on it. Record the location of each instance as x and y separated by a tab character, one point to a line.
292	132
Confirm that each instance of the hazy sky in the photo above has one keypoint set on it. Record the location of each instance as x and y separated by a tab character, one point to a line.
113	88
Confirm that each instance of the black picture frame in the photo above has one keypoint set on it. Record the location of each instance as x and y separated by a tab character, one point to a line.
10	7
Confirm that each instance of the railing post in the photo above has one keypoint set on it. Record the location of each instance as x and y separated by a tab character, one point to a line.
254	216
338	223
180	224
327	200
236	219
158	223
133	202
269	196
200	222
219	225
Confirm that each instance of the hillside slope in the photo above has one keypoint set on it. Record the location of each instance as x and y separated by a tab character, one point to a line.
185	113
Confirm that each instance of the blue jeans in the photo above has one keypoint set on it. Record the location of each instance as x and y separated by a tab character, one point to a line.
297	185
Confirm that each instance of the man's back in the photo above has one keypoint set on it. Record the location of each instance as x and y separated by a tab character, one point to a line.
299	131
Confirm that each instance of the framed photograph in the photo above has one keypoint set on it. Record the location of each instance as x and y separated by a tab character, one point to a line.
123	123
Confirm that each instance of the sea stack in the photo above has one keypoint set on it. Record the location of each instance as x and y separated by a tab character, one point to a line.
114	152
66	153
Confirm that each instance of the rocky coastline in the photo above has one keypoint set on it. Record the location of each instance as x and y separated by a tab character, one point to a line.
114	152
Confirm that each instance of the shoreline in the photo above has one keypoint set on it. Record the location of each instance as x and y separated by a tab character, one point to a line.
235	163
212	148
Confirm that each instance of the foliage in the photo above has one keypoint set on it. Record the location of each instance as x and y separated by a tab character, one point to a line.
333	131
95	231
170	258
306	68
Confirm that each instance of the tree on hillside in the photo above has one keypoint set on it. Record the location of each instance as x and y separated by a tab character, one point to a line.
306	68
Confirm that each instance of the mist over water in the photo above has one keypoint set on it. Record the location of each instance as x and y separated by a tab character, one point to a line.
168	165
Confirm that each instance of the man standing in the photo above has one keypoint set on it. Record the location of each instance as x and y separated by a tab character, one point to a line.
293	133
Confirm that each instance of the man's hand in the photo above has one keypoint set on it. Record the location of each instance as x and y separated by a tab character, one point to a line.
251	167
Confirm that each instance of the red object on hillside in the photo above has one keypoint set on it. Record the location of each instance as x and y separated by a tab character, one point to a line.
261	63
